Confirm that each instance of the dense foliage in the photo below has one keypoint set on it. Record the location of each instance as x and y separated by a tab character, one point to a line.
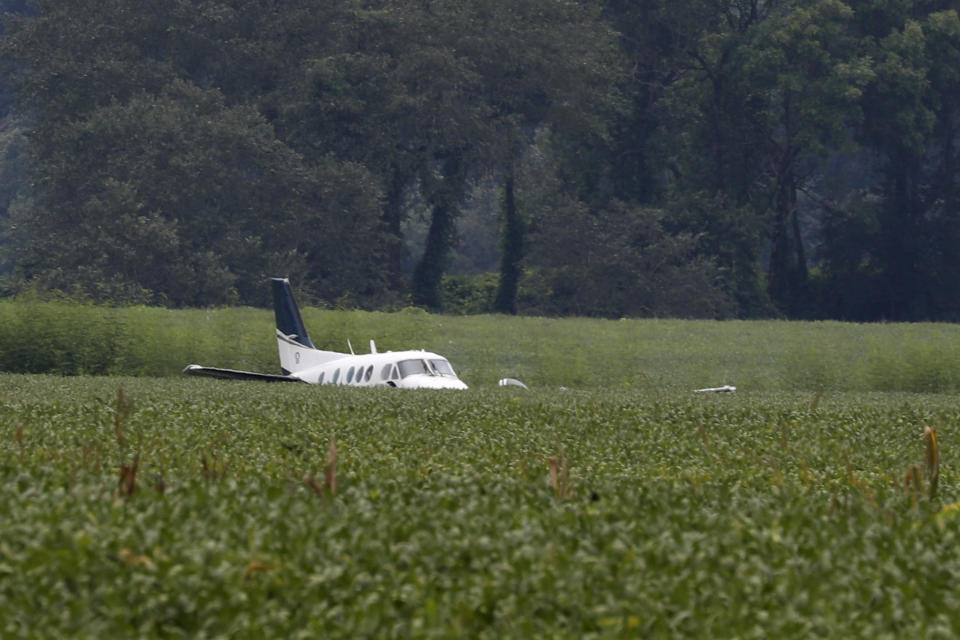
578	353
158	508
698	159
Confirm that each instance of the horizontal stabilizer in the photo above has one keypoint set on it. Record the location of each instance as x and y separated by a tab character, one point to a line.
234	374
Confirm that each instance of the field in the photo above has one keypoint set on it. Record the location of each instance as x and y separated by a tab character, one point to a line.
679	355
622	505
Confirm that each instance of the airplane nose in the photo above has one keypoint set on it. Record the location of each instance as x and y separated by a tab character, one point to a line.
432	382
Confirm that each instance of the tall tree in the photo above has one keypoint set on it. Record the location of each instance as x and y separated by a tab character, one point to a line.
166	195
430	95
691	142
512	241
804	76
555	68
900	239
610	260
155	184
762	94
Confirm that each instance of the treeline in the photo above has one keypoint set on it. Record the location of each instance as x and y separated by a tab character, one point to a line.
685	158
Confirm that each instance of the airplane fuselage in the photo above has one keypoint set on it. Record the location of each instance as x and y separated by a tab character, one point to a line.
402	369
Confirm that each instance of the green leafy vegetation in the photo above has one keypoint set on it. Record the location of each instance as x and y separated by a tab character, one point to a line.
58	337
166	507
583	353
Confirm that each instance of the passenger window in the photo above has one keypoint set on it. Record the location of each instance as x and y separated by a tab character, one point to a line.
366	377
336	376
349	375
395	374
320	379
385	374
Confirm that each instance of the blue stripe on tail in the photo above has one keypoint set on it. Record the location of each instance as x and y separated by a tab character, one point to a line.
285	308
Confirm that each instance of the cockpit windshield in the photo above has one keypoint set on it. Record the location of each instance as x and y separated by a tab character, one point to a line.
411	367
442	367
433	367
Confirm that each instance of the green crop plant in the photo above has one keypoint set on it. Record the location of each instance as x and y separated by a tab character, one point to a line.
666	513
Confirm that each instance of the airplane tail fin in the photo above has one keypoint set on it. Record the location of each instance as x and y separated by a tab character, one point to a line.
297	352
285	308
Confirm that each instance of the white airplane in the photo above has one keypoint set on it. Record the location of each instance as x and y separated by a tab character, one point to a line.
300	361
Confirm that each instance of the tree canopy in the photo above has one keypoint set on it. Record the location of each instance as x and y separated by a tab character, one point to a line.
743	158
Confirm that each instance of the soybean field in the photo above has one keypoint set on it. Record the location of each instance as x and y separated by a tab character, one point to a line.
156	507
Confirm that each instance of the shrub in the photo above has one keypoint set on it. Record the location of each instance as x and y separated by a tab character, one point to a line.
469	294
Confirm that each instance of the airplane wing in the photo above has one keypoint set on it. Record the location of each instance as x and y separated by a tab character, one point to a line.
724	389
234	374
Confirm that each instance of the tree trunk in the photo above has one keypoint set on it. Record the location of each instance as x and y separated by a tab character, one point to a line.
513	232
428	274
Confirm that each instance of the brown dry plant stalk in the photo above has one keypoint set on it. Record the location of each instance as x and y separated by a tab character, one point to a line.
311	482
211	468
132	559
18	440
554	462
330	477
933	459
128	476
911	483
255	567
121	411
91	456
329	486
559	475
815	403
